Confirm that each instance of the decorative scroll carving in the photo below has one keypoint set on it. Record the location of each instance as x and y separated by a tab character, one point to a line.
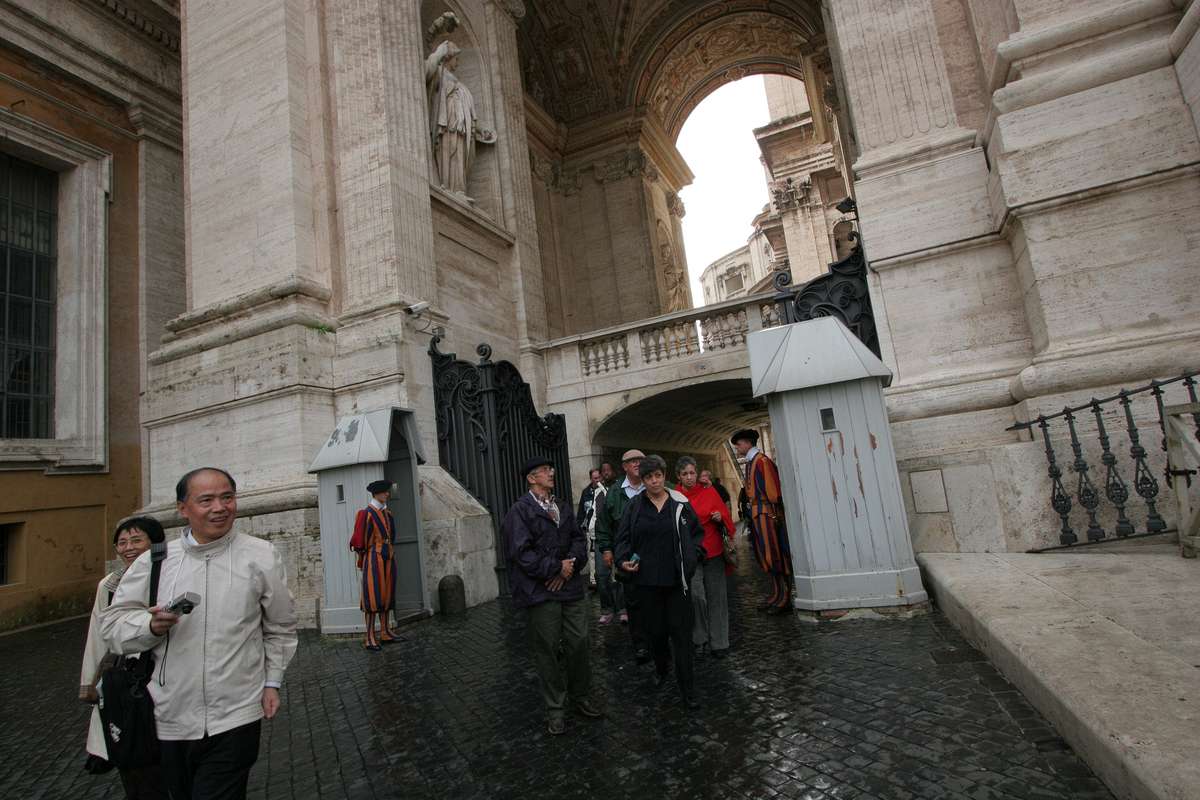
628	164
788	194
675	205
842	292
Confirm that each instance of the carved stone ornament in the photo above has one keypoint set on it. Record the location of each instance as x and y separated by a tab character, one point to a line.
628	164
675	205
553	176
514	8
788	194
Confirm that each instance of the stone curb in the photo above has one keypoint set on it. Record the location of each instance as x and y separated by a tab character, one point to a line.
1114	697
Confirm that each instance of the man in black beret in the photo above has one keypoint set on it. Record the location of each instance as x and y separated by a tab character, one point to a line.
545	551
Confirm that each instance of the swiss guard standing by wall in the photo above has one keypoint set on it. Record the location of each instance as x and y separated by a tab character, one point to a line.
374	538
768	533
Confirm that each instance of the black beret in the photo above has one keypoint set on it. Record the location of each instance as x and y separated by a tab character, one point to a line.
534	463
748	434
375	487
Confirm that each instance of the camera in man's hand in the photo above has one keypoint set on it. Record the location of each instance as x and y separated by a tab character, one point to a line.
183	604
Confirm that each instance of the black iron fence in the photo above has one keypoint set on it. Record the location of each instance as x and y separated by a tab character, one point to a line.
1124	477
487	427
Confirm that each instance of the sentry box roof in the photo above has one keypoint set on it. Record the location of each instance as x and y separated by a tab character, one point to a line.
816	352
365	439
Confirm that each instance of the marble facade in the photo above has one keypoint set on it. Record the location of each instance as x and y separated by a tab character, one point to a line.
1027	174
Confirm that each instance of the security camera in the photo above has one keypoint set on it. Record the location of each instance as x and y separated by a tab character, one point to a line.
416	308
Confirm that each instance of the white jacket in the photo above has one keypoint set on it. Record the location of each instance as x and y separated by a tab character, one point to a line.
211	667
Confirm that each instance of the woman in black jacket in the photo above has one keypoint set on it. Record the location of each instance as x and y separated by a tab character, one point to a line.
658	547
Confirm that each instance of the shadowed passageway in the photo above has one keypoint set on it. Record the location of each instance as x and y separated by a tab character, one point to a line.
854	710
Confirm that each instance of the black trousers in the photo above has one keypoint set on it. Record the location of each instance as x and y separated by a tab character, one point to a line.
212	768
666	613
637	625
143	783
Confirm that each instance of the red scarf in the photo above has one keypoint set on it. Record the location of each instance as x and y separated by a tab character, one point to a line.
705	501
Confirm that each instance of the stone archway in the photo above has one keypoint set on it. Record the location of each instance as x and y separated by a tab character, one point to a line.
693	419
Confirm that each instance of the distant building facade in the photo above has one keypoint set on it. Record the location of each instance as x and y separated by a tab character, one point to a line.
800	230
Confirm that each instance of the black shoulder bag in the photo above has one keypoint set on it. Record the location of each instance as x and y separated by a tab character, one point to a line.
126	707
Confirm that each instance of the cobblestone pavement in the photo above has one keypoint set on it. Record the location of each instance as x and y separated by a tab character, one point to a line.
864	709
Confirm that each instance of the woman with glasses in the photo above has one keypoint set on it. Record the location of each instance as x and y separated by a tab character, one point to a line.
132	538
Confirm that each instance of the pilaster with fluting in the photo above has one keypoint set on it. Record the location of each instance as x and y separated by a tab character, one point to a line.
381	142
515	176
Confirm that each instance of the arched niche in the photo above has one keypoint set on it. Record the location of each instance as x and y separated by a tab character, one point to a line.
474	72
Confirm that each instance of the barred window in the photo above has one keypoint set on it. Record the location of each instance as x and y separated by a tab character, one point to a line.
28	227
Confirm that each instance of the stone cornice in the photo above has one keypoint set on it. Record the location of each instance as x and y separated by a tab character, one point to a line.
87	59
143	24
156	124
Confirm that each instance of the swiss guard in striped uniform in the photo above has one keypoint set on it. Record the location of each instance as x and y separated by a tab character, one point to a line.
374	538
768	533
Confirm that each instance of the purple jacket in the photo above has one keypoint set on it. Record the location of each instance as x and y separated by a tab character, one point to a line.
535	548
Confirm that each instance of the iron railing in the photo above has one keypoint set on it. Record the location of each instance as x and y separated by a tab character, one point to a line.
1134	517
487	427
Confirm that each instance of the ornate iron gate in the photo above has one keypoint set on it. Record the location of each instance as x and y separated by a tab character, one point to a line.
842	292
487	427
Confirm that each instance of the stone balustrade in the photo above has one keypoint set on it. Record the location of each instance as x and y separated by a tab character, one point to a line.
695	335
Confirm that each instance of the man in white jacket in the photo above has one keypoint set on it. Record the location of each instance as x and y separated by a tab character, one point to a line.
218	669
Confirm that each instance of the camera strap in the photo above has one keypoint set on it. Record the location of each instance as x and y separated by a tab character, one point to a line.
158	552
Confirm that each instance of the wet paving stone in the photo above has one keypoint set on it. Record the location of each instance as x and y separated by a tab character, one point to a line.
859	710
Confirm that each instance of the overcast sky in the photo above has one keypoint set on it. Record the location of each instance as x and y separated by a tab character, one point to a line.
729	190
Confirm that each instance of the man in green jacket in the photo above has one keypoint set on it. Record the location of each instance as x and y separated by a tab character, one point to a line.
607	523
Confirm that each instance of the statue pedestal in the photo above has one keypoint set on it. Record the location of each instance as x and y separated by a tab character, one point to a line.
845	514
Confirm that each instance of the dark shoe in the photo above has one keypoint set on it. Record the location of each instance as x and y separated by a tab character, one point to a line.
585	709
775	610
390	639
642	656
374	648
691	703
720	653
555	726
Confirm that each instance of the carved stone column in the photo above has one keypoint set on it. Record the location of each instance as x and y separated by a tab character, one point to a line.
381	140
518	202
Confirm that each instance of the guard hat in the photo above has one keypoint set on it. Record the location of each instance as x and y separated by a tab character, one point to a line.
534	463
630	455
375	487
749	434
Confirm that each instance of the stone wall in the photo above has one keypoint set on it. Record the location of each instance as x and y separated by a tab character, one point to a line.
93	96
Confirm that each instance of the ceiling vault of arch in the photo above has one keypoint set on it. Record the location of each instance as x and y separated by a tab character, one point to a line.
692	418
588	58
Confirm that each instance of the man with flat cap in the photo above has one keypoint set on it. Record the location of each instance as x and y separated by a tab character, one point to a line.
768	534
607	524
546	551
374	540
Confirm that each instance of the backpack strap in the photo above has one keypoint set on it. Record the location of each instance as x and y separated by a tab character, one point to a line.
158	552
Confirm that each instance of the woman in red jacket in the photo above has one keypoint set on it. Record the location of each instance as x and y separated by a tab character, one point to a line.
709	599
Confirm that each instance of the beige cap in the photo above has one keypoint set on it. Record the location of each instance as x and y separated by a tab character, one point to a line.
630	455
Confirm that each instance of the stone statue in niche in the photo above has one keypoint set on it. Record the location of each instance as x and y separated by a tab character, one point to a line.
453	125
674	275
